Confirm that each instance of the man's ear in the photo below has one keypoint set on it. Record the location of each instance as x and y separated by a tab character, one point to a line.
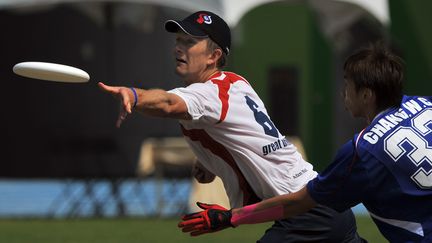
214	56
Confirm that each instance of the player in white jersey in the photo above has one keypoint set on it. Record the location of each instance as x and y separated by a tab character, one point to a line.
227	127
244	147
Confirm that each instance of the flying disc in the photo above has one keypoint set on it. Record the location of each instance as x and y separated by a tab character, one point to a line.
51	72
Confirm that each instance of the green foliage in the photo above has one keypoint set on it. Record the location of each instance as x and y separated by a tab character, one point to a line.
135	230
410	32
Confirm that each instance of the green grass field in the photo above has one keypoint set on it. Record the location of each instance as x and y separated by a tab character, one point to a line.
135	230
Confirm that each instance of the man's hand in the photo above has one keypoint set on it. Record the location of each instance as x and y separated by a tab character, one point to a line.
212	219
123	94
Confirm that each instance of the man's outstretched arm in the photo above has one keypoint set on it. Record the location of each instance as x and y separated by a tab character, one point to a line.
154	102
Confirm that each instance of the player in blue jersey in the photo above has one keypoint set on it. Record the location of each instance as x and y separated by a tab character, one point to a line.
387	166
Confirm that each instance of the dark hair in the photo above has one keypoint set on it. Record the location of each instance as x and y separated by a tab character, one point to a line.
211	46
378	69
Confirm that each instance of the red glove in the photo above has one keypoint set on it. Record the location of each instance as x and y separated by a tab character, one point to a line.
212	219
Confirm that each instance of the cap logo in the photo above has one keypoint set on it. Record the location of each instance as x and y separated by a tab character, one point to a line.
204	18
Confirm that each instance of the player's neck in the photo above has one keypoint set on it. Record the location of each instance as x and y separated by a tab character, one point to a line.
369	118
209	73
205	75
200	77
371	114
370	108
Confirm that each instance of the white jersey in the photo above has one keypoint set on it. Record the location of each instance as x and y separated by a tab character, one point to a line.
233	137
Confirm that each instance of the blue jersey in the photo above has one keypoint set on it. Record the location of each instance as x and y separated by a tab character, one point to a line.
388	168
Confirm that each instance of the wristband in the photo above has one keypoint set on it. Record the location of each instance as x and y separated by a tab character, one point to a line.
135	96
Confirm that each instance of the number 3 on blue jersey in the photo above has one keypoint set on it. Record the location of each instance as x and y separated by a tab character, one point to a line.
262	118
421	150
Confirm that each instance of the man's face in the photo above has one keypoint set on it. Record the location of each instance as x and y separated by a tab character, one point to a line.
353	99
191	56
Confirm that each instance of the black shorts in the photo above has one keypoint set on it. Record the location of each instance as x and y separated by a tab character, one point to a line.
320	224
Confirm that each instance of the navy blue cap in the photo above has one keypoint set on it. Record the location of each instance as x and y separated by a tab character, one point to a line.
204	24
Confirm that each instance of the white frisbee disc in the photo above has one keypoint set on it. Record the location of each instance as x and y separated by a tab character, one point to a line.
51	72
